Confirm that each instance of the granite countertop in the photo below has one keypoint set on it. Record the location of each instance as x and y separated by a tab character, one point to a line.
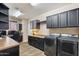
40	36
7	42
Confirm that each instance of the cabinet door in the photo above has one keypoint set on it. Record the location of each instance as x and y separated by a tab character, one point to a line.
40	46
4	18
4	26
41	40
55	21
35	24
49	22
30	40
63	19
32	24
73	18
3	9
36	42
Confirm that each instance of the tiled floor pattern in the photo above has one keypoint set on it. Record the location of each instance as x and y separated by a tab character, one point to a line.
27	50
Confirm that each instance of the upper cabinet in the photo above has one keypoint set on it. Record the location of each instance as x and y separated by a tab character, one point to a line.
55	21
52	21
49	20
65	19
73	17
3	9
35	24
4	17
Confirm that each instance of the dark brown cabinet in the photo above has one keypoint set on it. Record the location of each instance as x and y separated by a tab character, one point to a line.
3	9
35	24
16	35
73	18
63	17
55	21
52	21
36	42
4	26
49	20
4	17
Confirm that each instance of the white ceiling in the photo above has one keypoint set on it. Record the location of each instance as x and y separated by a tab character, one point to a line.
30	11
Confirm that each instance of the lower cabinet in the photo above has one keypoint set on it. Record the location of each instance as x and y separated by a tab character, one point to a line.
17	38
36	42
10	52
16	35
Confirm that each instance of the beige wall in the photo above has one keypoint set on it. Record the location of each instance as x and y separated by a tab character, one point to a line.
13	25
43	29
25	30
29	28
59	10
24	23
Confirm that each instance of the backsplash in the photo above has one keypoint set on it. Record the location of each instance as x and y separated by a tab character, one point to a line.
35	31
42	31
64	30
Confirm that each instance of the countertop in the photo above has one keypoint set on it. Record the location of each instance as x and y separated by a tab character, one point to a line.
7	43
40	36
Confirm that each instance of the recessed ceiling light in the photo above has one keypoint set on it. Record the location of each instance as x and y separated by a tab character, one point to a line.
34	4
18	13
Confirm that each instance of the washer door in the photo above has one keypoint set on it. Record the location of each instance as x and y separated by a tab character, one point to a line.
68	48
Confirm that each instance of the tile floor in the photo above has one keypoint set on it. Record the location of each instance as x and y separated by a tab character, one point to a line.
27	50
